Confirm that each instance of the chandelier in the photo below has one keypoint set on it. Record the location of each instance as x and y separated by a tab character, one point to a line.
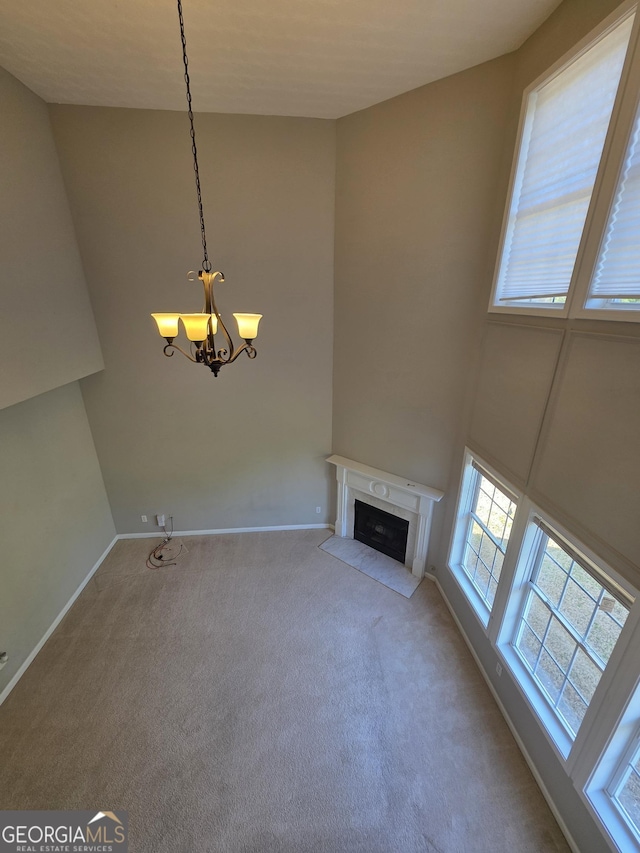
202	328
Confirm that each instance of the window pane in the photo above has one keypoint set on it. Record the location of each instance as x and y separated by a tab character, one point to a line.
561	644
603	635
584	675
537	615
529	645
482	578
549	675
577	607
487	550
475	536
572	708
585	580
483	507
551	579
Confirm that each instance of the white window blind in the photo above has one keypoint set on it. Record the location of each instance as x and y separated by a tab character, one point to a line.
617	272
561	146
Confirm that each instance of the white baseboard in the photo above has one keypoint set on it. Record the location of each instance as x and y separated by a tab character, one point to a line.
159	533
27	663
545	793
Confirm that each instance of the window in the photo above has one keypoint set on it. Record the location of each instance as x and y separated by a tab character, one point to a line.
612	789
485	517
625	791
570	622
615	284
489	525
566	119
565	629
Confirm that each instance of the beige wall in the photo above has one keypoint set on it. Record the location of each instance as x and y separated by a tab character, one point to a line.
415	195
48	333
247	448
56	521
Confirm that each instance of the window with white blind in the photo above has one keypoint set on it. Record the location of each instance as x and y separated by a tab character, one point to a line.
615	284
565	122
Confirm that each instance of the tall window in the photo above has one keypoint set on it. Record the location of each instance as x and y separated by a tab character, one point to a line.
489	525
485	515
561	143
616	281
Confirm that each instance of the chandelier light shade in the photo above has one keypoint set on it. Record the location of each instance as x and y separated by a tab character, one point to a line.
201	329
197	326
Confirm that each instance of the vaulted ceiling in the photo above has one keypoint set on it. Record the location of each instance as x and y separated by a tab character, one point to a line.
322	58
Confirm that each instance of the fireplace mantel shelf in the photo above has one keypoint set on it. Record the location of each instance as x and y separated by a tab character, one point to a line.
387	479
398	492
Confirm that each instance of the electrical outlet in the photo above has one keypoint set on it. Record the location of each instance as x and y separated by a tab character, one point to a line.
160	520
318	509
143	518
4	657
499	669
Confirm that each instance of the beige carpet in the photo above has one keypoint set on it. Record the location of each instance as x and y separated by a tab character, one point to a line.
260	697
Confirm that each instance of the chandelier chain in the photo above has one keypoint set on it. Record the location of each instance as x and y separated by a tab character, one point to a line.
206	264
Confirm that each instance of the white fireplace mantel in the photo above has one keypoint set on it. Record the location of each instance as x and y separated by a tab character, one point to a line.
405	495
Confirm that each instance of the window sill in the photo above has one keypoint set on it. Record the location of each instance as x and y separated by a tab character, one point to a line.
548	310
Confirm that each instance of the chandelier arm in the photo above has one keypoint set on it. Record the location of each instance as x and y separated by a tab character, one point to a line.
225	331
248	348
206	264
173	346
230	343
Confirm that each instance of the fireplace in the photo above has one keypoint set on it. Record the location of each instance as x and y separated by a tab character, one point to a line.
380	530
405	500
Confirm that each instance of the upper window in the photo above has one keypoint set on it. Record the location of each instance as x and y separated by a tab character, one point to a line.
565	123
616	280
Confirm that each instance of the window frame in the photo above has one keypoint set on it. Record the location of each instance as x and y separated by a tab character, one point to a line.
611	160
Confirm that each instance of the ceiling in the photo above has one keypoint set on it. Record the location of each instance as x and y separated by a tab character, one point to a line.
322	58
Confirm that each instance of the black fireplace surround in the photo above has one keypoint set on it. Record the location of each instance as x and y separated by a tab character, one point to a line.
380	530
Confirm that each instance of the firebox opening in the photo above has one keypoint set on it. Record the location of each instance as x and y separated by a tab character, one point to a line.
380	530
